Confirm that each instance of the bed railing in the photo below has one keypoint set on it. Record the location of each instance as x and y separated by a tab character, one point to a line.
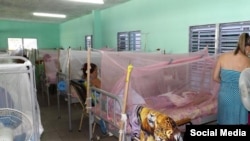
107	107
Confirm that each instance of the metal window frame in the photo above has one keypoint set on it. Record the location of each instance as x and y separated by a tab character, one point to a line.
202	36
226	36
88	42
229	34
129	41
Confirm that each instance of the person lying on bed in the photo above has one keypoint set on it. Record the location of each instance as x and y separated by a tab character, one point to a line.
94	79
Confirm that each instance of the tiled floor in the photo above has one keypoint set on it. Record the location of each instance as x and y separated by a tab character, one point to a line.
56	129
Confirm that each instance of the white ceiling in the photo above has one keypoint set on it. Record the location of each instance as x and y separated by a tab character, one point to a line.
21	10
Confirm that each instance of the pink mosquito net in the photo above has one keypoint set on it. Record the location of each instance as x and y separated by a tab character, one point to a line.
179	85
51	64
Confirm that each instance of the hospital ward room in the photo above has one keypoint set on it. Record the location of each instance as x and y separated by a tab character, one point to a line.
124	70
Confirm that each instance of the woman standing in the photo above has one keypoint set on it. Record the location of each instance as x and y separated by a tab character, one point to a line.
227	71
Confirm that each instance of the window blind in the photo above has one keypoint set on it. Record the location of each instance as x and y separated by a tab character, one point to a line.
129	41
201	37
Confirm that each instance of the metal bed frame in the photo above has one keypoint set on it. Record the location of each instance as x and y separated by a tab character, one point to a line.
30	71
94	118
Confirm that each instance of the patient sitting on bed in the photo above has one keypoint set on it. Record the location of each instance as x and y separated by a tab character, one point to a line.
94	79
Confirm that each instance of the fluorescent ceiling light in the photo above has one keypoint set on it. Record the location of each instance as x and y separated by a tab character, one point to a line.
49	15
90	1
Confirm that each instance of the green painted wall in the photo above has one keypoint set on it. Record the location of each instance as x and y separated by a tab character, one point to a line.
165	24
73	32
47	35
97	29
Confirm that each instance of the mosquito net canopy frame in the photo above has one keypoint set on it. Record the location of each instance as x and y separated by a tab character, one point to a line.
167	83
17	82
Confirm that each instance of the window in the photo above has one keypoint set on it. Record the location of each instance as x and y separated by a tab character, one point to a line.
201	37
22	43
30	43
18	46
129	41
88	41
15	44
229	35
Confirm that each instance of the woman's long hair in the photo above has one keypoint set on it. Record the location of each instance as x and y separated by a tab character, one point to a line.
243	41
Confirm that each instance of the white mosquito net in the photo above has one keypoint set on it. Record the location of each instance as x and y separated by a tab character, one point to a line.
71	61
17	91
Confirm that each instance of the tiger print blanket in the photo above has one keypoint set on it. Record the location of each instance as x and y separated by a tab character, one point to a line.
155	126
